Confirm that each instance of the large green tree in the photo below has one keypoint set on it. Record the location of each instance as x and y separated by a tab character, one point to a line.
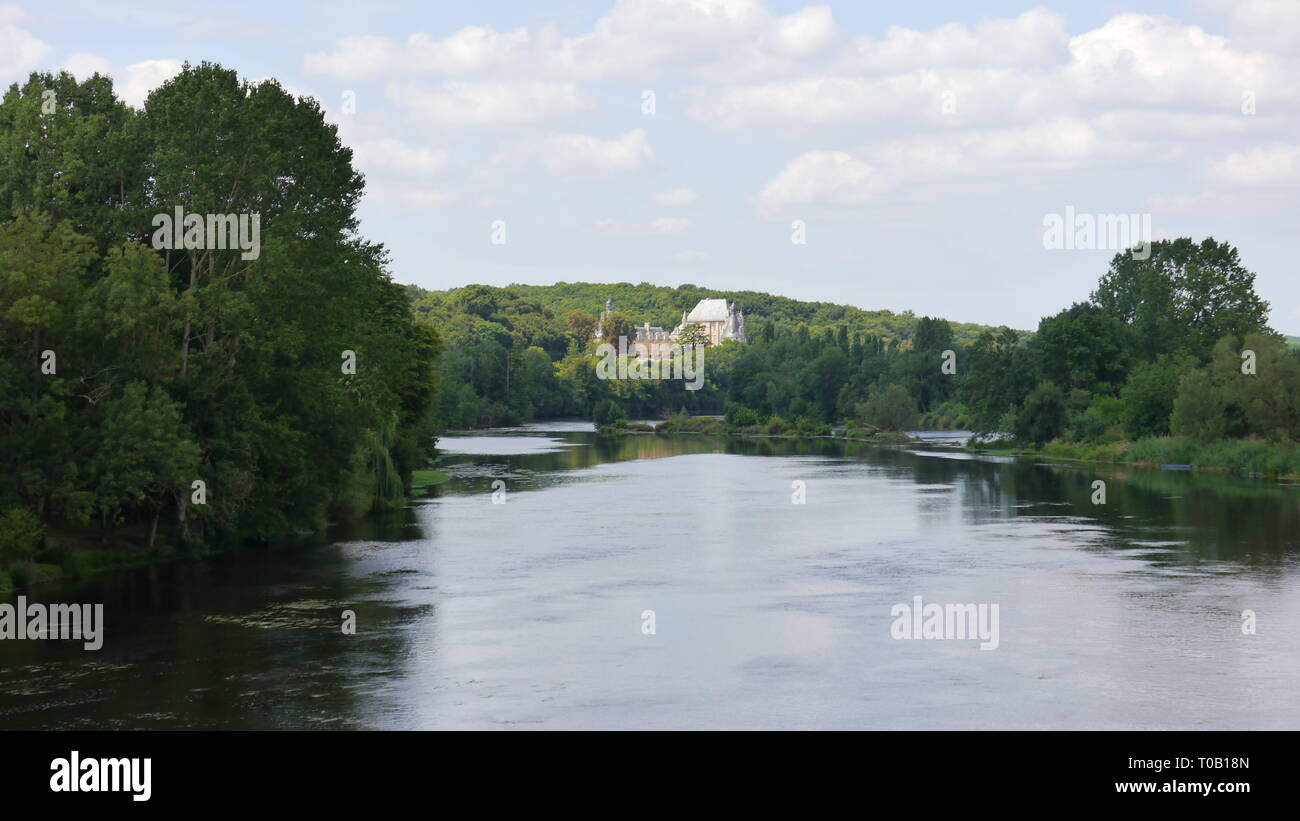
1182	298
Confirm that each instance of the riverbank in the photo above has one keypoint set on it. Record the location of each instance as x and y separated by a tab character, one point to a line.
1246	457
72	553
774	429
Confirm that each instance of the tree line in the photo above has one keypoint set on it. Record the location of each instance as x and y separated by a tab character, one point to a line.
1156	349
129	372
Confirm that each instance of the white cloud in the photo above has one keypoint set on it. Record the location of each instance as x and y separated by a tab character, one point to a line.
822	178
83	66
1012	72
808	101
676	197
1063	139
142	78
689	256
1150	61
635	39
471	49
1035	38
482	104
642	36
804	32
398	193
1263	165
395	156
1272	24
353	58
582	155
20	52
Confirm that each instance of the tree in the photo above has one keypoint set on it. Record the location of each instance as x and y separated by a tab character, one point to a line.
890	408
1082	347
922	366
198	357
1043	416
999	374
1149	395
42	266
1199	408
479	300
81	160
1183	298
20	533
692	334
823	379
609	415
145	455
615	324
1265	402
582	326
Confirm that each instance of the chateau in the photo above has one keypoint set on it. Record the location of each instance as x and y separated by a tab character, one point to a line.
720	320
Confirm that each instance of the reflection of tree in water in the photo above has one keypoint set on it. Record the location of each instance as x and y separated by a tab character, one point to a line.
1211	516
1202	516
250	639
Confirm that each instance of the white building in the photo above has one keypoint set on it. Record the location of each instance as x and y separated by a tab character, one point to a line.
719	319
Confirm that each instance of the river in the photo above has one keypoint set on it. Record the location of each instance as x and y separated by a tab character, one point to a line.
560	580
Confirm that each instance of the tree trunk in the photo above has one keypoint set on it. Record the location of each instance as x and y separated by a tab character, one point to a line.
185	342
181	501
153	526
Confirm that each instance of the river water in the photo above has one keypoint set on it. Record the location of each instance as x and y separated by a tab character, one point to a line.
645	582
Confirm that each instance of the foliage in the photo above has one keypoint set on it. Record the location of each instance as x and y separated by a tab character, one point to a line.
170	366
889	408
1042	418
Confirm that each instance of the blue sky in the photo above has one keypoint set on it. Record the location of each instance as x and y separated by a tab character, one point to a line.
921	145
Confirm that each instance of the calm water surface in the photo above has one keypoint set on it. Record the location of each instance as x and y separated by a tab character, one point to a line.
528	614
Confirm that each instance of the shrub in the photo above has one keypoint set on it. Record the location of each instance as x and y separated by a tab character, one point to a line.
20	533
608	414
890	408
1042	419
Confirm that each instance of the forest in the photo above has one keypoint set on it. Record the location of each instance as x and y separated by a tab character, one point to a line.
1155	350
181	399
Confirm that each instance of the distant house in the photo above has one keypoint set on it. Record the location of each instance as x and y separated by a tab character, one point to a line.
720	319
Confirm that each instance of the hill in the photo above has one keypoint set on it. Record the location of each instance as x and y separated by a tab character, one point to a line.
661	305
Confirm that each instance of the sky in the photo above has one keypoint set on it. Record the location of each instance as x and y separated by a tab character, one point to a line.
886	155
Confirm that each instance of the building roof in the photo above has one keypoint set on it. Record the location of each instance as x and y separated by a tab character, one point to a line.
709	310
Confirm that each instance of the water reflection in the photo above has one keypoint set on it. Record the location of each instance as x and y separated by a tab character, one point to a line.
769	613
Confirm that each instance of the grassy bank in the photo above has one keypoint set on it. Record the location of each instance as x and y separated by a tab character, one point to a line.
421	479
1250	457
75	553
